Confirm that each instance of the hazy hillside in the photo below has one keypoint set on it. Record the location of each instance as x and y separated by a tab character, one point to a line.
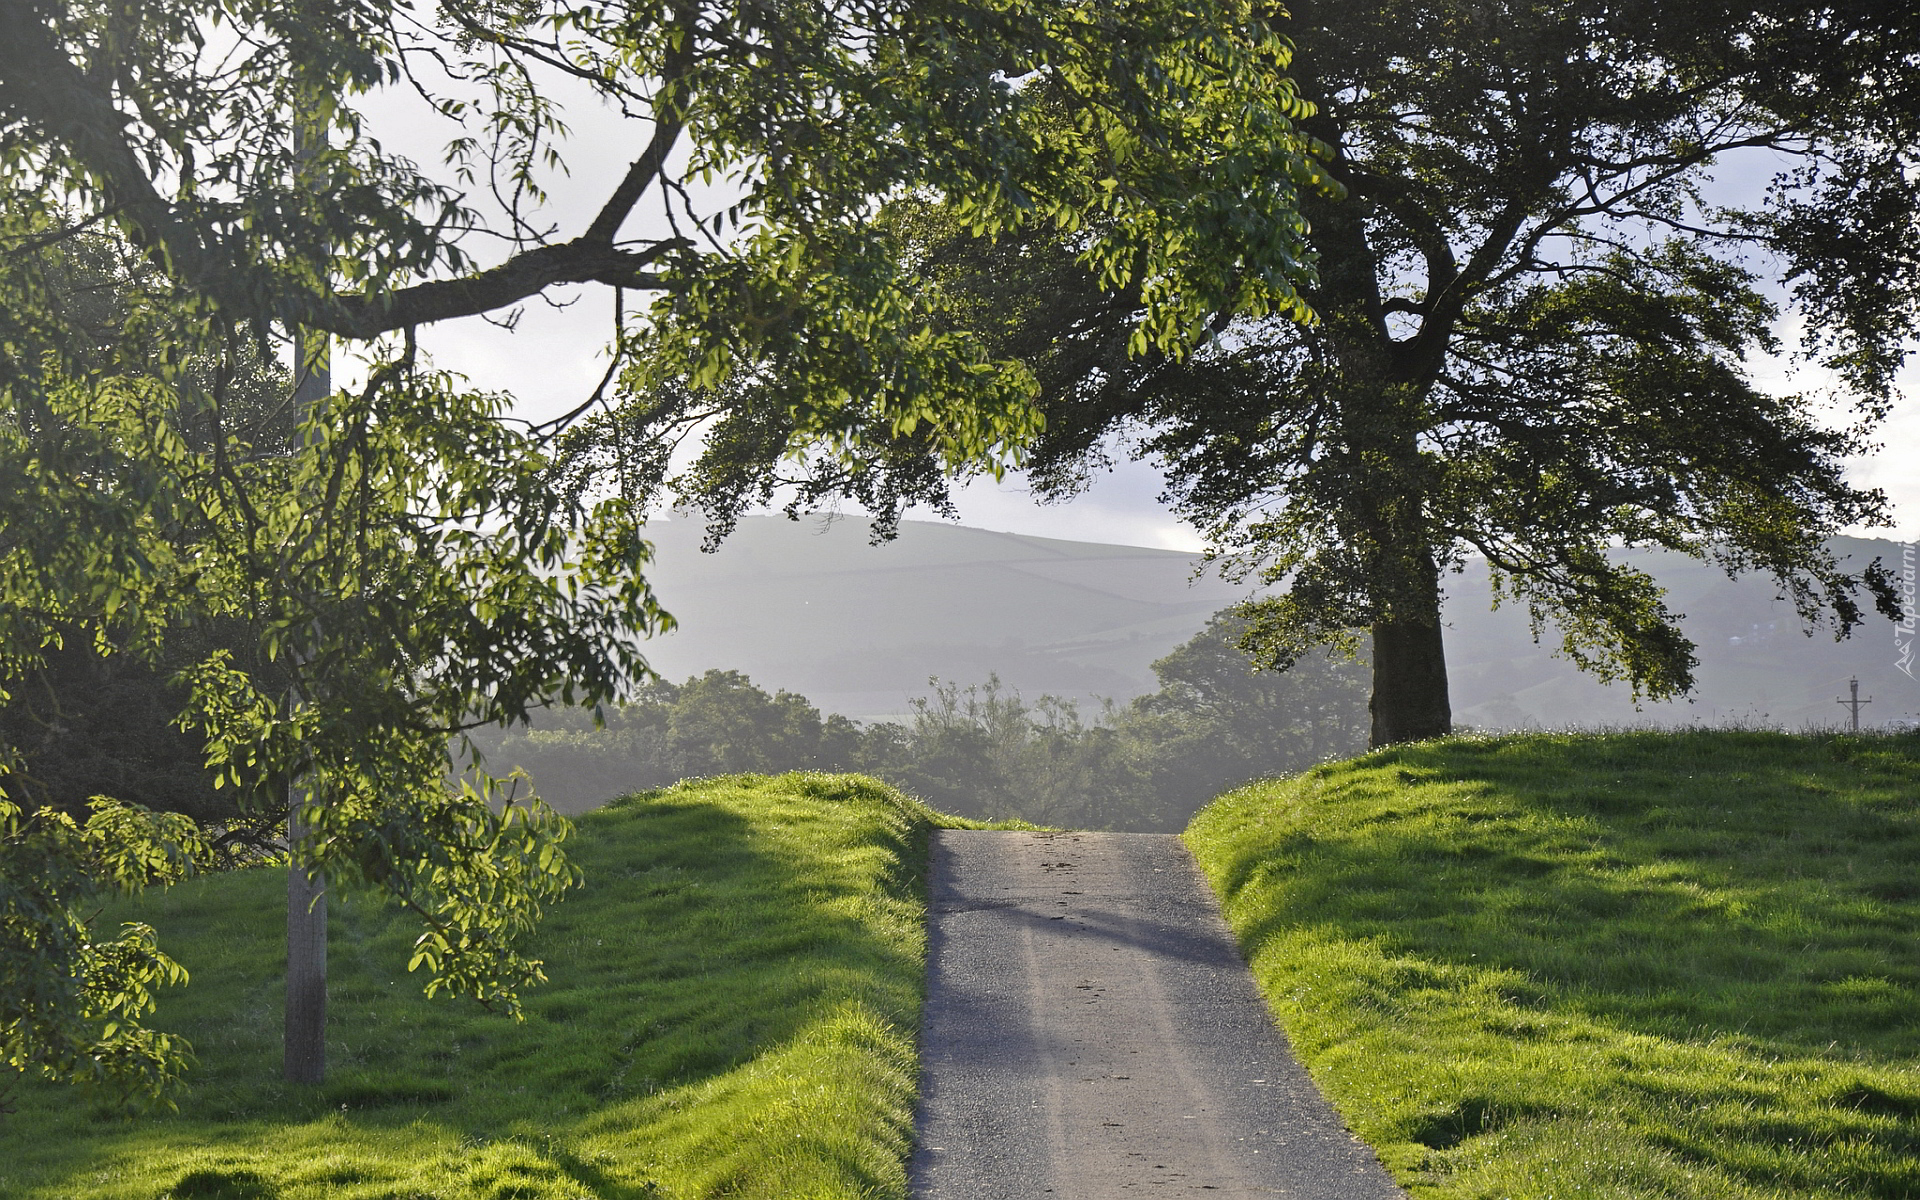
1757	662
858	628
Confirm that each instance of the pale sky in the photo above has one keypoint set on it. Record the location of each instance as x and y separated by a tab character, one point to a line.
554	357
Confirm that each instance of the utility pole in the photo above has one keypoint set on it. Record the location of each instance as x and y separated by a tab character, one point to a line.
305	1038
306	1016
1853	702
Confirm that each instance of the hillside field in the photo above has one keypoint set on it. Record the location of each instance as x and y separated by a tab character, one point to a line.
731	1010
1636	965
1632	965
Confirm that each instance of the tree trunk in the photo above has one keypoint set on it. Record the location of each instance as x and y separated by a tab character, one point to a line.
306	1031
1409	683
1410	664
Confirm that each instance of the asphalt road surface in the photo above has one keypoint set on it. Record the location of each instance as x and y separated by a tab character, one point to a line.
1092	1033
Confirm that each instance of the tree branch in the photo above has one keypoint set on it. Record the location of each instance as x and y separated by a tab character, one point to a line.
40	84
614	212
582	260
669	114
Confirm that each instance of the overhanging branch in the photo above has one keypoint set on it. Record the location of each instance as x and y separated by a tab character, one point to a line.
41	85
582	260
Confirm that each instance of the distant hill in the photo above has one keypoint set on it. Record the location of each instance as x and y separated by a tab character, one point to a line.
814	608
1757	662
857	628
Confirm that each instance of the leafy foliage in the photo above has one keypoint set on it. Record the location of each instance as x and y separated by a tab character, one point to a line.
1537	325
398	567
718	723
1215	723
86	724
228	139
1220	718
75	1003
184	186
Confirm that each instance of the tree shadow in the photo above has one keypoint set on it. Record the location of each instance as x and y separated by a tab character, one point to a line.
702	941
1741	901
1601	872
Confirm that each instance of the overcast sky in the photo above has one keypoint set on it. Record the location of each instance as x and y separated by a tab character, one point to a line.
554	357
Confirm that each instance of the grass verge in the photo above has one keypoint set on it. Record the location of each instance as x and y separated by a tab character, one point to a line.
1636	965
732	1009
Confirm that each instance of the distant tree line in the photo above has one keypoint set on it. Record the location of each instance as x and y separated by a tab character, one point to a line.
89	724
981	750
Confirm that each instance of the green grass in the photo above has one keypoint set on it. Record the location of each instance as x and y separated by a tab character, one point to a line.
1635	965
732	1010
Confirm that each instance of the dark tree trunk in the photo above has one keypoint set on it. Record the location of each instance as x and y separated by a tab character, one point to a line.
1409	683
1410	664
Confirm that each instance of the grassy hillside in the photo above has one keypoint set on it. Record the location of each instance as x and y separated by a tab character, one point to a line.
731	1011
1601	966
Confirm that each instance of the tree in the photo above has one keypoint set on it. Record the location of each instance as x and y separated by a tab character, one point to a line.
406	545
1178	161
1215	723
980	749
1536	317
415	563
1218	722
722	724
86	720
75	1001
715	723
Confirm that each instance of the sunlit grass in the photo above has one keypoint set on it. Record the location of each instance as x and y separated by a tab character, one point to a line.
732	1009
1636	965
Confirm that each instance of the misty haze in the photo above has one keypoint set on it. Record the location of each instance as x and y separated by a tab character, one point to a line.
878	634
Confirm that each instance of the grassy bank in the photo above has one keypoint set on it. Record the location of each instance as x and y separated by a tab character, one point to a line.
731	1011
1635	965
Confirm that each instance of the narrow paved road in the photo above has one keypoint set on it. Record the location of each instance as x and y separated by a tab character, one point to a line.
1092	1033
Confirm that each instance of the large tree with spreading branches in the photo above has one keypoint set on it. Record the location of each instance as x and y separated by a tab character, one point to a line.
413	561
1540	307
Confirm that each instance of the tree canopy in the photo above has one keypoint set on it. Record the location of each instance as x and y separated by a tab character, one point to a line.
191	194
1539	308
1170	148
402	574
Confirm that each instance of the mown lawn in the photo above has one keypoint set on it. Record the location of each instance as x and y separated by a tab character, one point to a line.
1637	965
732	1008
